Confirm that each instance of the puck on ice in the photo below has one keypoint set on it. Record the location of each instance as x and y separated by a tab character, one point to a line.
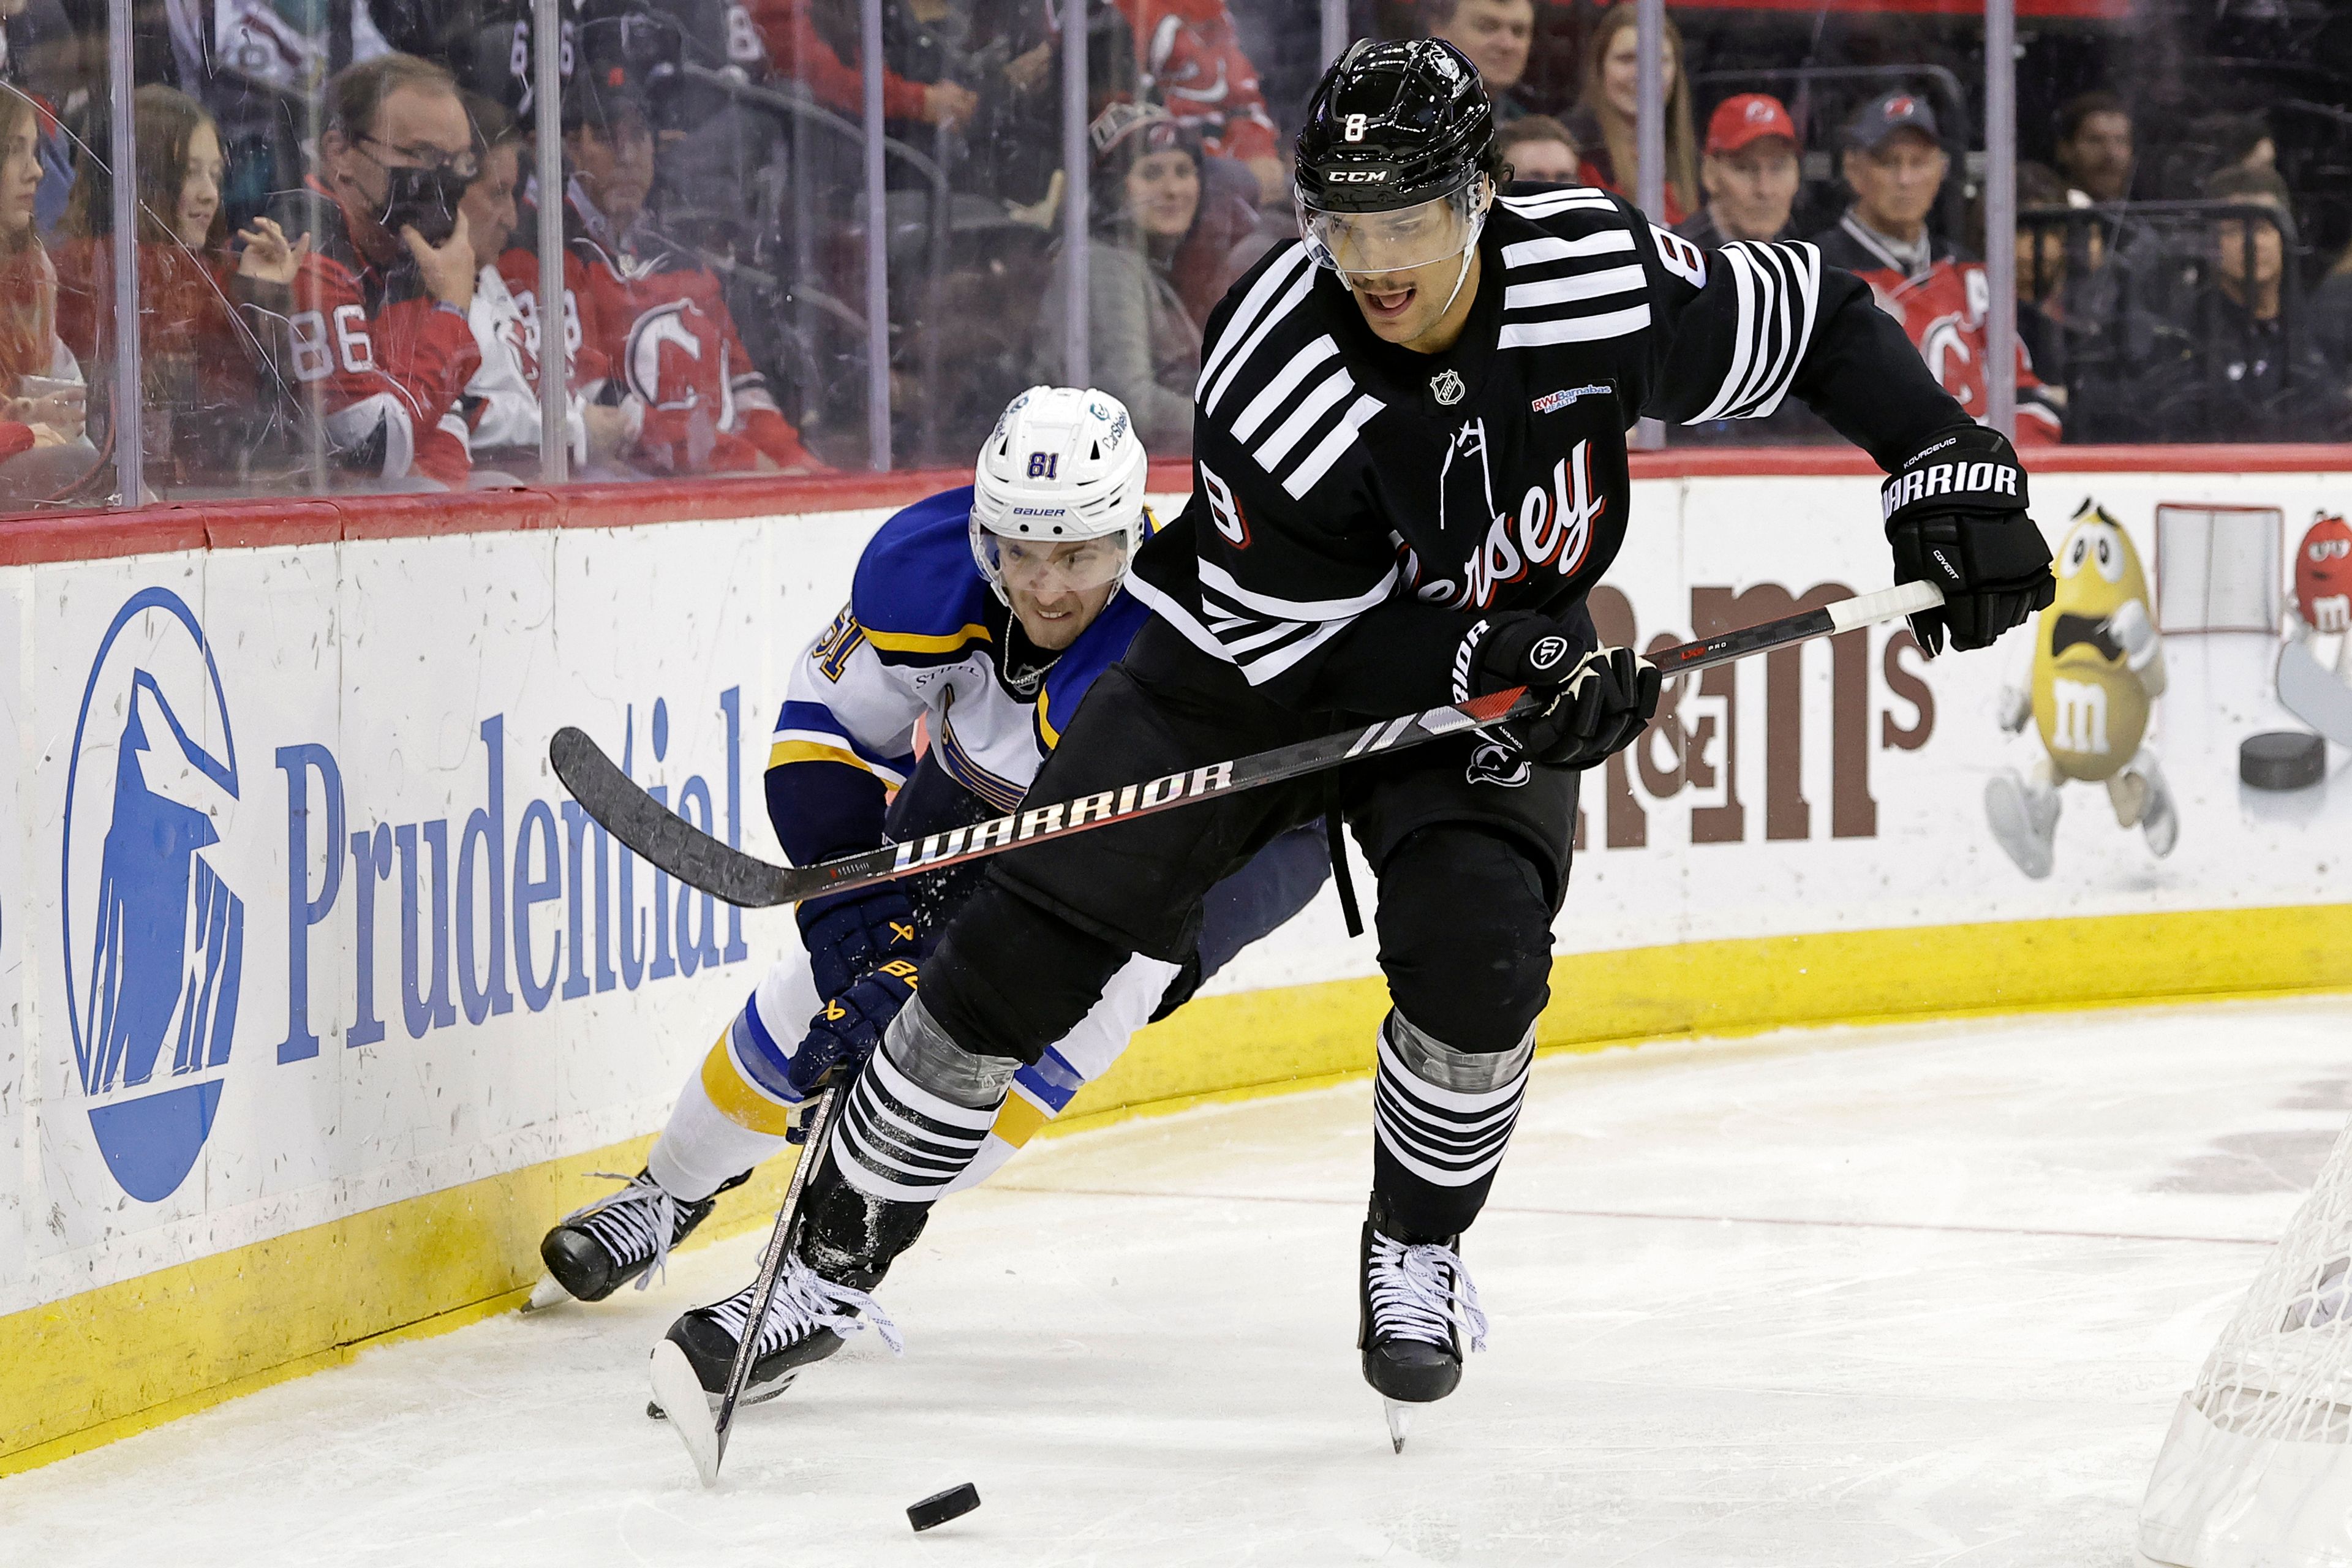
952	1503
2282	758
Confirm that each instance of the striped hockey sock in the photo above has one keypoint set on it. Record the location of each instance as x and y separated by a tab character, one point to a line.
1442	1119
910	1129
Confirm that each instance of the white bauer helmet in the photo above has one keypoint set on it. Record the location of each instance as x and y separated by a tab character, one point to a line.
1062	467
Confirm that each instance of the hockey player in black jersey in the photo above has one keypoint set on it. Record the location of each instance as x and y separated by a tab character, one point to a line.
1409	471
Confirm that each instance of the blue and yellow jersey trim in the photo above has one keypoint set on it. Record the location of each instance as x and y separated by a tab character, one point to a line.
809	733
917	597
1099	647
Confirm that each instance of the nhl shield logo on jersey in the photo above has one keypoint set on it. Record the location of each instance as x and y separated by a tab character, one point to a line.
154	936
1447	388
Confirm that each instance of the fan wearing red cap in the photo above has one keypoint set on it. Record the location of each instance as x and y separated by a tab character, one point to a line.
1750	171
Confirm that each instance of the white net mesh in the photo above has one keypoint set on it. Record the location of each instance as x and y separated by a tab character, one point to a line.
2283	1369
2219	569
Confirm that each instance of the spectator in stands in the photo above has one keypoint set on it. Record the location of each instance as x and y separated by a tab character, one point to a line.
1603	124
503	398
1145	345
1750	173
2095	146
2237	373
798	49
374	310
195	362
2231	142
1896	165
43	448
2046	304
1193	63
2329	311
1495	35
1541	150
654	322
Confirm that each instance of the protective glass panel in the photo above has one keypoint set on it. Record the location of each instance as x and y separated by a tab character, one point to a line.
712	254
56	362
2185	204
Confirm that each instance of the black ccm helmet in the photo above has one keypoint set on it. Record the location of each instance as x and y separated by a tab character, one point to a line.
1394	124
1397	161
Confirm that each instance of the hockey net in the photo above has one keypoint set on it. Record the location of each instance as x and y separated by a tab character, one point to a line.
2257	1468
2219	568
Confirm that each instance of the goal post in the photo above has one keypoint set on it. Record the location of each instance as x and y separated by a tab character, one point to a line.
2219	568
2256	1471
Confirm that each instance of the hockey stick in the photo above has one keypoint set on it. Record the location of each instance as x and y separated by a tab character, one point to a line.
670	843
675	1388
2309	692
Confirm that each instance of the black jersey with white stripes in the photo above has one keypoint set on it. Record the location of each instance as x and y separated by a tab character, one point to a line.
1356	506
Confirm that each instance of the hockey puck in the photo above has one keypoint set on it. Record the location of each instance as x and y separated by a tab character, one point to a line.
952	1503
2282	758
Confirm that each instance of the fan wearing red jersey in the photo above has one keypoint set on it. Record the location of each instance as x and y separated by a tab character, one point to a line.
374	307
1896	166
1193	64
646	321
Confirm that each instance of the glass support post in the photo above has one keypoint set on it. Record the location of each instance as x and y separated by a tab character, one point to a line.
1650	148
2001	216
877	245
130	436
554	319
1335	30
1078	353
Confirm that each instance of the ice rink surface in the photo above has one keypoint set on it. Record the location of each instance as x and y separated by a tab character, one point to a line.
1883	1298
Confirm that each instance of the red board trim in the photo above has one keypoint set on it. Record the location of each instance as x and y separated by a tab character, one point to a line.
173	527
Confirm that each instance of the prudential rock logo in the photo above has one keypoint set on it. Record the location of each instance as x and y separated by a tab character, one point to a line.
153	937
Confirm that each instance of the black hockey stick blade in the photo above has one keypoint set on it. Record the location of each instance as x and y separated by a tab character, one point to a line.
659	834
672	844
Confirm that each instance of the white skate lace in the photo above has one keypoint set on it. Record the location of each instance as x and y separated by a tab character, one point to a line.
805	1302
637	1222
1418	1290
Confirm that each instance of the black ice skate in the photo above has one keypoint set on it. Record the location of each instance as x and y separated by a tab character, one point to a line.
1416	1300
808	1318
623	1237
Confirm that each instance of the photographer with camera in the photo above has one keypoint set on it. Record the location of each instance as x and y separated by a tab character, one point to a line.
374	308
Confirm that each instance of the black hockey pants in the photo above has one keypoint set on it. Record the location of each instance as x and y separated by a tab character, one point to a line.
1470	852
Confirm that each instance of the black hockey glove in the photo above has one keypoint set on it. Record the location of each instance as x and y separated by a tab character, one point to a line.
1955	518
850	937
1599	703
846	1028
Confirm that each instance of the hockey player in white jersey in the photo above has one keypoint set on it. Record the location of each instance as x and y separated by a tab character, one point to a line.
983	614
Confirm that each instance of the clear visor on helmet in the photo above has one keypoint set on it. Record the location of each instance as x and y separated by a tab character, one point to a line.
1365	245
1047	567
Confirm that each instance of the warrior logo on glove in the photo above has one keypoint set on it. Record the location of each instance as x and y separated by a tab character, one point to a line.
1956	517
